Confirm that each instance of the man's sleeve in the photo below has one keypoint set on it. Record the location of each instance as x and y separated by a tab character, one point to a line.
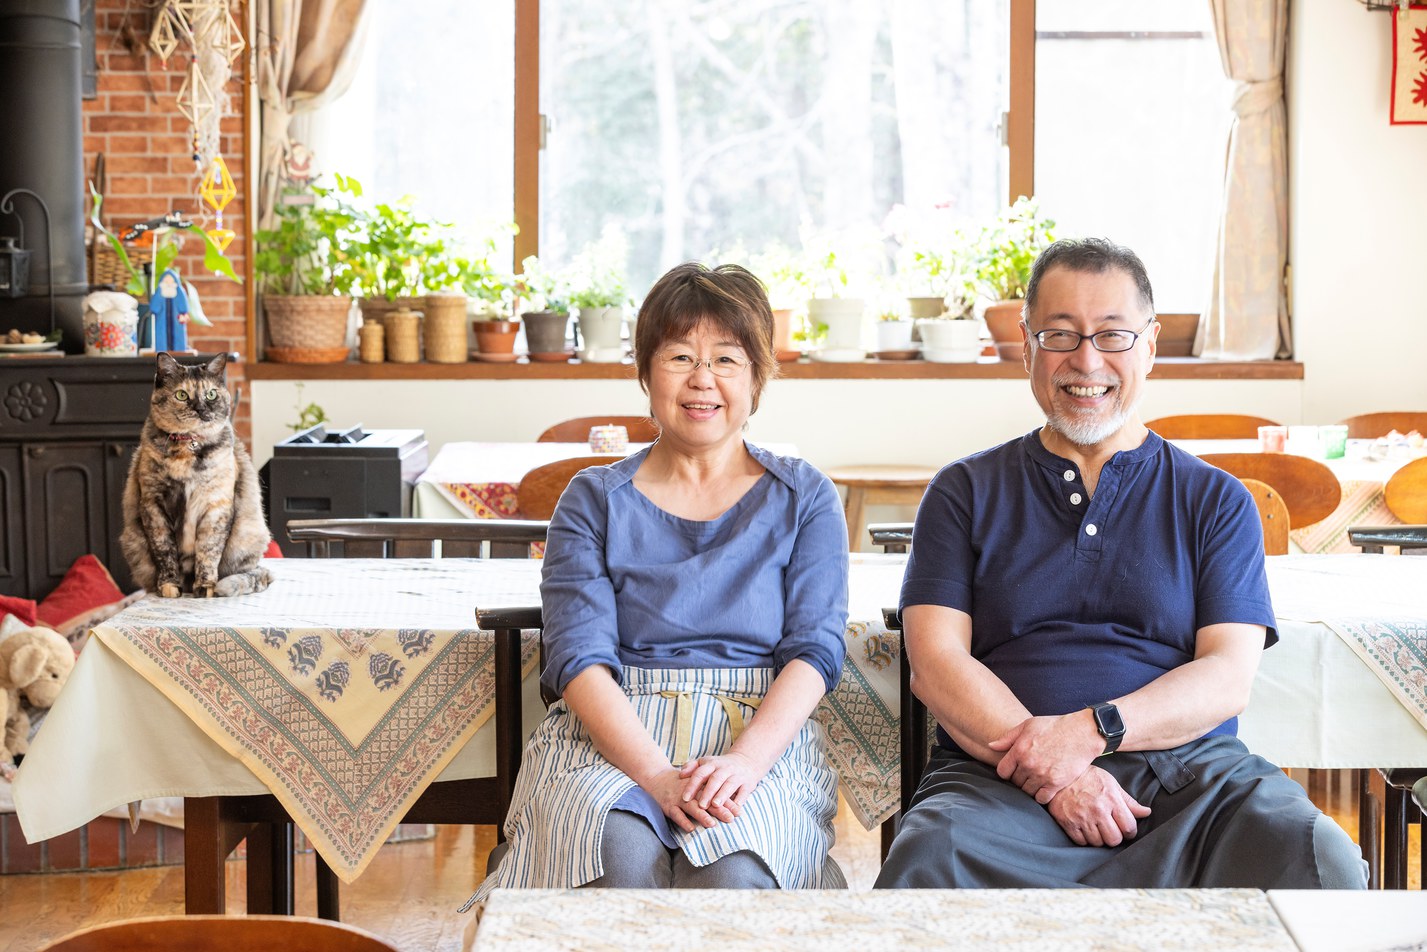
942	563
1233	583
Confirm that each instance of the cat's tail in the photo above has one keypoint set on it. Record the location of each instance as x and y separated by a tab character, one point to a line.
244	583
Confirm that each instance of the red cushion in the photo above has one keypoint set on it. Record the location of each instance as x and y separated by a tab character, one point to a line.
86	596
21	608
274	551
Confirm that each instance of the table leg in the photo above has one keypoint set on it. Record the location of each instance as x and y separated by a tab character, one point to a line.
1368	819
270	875
328	891
204	886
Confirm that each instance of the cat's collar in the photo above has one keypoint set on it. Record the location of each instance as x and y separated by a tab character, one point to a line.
190	438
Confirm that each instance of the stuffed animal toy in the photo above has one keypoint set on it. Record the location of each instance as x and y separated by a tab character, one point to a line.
34	665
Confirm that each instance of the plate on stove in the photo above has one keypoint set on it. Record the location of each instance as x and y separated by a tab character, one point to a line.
28	348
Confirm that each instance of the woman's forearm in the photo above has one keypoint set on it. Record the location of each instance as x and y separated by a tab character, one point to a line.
790	701
595	698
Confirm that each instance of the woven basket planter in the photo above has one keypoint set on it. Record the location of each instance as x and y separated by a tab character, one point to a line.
307	328
403	336
445	329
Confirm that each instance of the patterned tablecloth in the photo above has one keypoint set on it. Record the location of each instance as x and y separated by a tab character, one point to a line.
1362	480
730	920
346	687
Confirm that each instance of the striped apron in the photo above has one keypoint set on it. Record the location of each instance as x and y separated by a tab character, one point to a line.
566	788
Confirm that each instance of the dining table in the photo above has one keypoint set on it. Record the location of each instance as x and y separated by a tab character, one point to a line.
351	685
1362	472
480	480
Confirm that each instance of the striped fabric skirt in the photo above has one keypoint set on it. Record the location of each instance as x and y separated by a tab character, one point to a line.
566	788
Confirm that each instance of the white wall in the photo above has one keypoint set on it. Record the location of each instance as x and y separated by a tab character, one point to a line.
1358	199
1359	196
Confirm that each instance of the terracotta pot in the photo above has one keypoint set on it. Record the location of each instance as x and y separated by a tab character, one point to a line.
1003	320
496	337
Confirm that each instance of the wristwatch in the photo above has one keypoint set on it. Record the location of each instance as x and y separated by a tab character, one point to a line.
1109	724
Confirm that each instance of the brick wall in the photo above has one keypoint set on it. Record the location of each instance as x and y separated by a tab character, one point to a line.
148	152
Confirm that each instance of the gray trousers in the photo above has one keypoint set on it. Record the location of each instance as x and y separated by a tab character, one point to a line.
1222	817
635	858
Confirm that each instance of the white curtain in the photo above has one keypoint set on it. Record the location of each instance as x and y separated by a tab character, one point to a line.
1246	317
307	53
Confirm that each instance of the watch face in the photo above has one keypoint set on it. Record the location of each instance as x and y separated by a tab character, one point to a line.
1107	719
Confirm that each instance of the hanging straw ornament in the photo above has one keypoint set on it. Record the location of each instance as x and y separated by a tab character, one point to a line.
218	190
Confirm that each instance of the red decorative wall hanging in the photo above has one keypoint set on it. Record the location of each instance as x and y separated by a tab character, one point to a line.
1409	65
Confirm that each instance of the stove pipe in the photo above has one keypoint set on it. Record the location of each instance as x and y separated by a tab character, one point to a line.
42	149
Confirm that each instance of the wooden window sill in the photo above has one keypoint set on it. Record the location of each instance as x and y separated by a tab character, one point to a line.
1166	368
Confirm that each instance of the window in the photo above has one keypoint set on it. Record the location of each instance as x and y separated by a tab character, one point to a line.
1131	109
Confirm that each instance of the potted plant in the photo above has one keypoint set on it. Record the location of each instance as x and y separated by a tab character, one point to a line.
788	289
597	292
840	266
394	252
954	335
931	257
304	274
543	310
1004	253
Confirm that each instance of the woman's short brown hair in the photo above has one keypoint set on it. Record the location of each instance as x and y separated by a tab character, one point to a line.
728	296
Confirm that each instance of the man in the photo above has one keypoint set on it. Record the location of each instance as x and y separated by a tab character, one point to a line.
1084	610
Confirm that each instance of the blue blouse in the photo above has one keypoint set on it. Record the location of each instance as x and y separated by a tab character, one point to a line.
626	583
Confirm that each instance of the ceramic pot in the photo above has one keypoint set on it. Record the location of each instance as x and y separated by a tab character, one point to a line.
843	319
111	324
496	337
894	336
601	331
545	331
951	342
1003	320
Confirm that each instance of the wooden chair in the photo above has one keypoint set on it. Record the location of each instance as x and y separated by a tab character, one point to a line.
1309	489
1406	492
1273	516
482	800
894	485
1388	864
540	488
229	933
1209	426
640	429
1371	426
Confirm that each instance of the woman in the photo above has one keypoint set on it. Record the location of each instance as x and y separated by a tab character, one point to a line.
695	596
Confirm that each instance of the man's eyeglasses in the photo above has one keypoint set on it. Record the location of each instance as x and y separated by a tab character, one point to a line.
724	365
1113	341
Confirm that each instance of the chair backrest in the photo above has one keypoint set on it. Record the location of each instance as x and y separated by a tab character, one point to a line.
229	933
1309	489
416	538
511	622
1406	492
1209	426
640	429
1370	426
540	488
1273	516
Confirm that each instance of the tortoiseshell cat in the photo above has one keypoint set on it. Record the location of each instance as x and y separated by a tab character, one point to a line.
193	515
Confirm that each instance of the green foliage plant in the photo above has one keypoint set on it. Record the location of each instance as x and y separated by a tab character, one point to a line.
1008	246
396	253
306	252
167	243
596	276
540	288
934	256
843	263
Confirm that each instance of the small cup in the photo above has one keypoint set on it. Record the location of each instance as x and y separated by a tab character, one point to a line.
609	439
1334	437
1273	439
1304	441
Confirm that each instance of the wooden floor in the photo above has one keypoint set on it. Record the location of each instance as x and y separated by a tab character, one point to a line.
409	894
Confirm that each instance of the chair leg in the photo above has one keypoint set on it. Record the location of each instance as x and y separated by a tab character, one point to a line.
328	900
856	514
889	832
1368	820
1394	838
270	881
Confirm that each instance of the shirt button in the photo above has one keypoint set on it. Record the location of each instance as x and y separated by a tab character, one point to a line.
1069	475
1091	530
1075	499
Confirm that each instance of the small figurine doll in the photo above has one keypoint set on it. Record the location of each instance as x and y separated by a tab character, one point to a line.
169	309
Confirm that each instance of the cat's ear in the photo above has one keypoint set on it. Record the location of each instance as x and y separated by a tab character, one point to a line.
216	365
168	367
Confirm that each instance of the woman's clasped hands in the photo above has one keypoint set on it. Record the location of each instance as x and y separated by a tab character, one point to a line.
707	790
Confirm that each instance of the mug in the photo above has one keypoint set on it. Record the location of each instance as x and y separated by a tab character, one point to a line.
1304	441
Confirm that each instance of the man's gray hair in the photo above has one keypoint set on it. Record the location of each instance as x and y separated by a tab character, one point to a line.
1095	255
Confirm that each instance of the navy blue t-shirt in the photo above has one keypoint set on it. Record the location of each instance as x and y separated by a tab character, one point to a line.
1075	600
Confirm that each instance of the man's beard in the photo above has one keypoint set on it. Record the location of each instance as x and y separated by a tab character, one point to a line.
1088	427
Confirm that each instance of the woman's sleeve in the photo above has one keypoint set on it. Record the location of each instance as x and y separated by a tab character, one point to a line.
815	582
577	596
